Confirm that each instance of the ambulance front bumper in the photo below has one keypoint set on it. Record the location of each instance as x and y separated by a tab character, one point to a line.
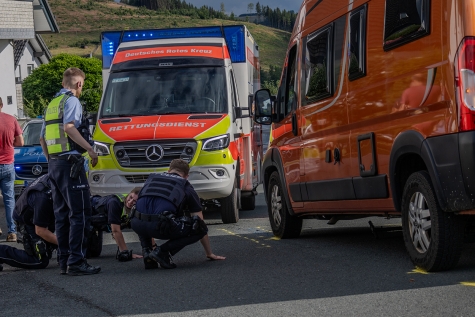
210	182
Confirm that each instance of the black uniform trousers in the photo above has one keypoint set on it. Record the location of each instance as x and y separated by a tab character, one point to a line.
72	210
19	258
181	234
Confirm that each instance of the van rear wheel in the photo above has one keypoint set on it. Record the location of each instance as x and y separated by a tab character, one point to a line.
230	206
432	237
283	224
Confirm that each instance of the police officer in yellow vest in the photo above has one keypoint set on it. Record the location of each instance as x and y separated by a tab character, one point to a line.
64	137
115	210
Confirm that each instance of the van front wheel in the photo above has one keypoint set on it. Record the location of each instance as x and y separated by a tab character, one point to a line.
283	224
432	237
230	206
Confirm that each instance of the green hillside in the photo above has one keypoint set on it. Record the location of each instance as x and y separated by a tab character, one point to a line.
81	22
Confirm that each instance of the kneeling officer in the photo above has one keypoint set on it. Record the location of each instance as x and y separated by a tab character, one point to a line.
34	217
159	214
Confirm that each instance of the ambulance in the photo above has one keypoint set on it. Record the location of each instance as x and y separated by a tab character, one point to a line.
180	93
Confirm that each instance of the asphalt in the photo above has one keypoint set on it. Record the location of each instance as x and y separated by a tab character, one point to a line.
339	270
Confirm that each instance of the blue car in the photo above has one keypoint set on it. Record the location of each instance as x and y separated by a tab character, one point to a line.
30	161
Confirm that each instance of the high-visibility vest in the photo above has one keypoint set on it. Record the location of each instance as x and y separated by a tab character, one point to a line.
56	139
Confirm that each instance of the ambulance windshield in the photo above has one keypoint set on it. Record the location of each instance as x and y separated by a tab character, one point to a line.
165	91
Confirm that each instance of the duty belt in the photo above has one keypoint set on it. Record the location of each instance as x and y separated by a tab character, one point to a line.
148	217
64	157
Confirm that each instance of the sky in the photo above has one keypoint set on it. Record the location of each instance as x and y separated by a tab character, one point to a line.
240	7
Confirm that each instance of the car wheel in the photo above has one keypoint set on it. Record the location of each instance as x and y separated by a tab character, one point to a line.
94	243
283	224
432	237
230	206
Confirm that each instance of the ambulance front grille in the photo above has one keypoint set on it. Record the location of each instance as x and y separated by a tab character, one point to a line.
153	154
136	179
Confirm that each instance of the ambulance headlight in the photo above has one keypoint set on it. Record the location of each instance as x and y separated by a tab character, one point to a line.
101	148
216	143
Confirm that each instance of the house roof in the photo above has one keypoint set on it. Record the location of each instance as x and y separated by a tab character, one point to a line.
18	49
40	50
44	18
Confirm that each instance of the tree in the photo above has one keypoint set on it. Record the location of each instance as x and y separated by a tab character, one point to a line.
223	11
41	86
258	11
250	7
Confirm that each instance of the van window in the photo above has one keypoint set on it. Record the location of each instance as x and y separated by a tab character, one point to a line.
357	43
31	133
318	66
405	22
291	84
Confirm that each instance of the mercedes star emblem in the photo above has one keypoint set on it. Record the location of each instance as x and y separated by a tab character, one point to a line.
36	169
154	153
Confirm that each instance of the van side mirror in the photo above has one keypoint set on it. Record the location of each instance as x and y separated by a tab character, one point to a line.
263	107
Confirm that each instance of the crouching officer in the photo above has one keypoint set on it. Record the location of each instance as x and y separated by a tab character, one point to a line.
115	211
64	137
34	218
159	214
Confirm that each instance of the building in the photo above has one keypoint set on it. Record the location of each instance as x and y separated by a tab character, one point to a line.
21	47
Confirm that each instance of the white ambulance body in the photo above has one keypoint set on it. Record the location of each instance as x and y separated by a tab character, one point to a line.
180	93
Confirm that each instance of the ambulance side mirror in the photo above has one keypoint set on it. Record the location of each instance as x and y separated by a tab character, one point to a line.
263	107
92	119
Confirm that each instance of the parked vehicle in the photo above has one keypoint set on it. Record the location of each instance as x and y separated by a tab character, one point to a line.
375	116
30	161
180	93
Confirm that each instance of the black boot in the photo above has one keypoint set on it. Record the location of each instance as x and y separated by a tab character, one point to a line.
163	258
148	262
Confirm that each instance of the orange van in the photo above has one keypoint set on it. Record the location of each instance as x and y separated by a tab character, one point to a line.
375	116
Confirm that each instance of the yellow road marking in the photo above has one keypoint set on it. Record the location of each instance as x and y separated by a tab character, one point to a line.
250	239
468	283
418	270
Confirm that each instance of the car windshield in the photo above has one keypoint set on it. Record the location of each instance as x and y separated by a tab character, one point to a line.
31	133
165	91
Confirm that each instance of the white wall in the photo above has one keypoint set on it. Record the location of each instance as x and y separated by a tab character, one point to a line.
25	60
7	77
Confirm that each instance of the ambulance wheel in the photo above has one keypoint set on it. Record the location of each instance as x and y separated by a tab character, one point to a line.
230	206
284	225
94	244
248	202
433	238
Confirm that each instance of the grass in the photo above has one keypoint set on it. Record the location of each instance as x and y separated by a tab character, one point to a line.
82	21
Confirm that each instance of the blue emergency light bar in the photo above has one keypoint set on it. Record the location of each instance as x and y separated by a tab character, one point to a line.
234	36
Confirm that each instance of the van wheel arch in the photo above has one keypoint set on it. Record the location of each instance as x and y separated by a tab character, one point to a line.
273	162
410	153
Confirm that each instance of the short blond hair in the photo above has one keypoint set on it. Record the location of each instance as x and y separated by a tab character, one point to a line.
70	77
181	166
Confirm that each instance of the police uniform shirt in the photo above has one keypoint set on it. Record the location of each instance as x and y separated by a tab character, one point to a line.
114	209
157	205
40	212
43	212
72	113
